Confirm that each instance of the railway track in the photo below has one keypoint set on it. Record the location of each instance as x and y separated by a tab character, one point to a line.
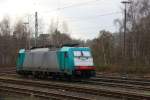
136	84
122	80
7	71
123	77
41	90
80	88
44	94
130	84
114	84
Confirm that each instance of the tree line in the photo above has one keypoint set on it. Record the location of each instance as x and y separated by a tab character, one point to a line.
20	36
109	49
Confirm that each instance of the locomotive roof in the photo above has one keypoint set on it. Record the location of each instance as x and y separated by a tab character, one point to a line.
21	50
75	48
39	49
63	49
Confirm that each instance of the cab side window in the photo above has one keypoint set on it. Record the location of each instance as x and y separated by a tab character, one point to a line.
66	55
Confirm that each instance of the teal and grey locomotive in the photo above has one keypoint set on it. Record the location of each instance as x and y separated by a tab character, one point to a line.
65	61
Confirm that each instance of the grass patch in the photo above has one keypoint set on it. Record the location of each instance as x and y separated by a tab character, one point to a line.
130	69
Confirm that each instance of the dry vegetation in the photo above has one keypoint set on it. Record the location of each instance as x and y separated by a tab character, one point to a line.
108	48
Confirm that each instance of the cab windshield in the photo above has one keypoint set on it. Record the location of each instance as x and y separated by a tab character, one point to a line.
82	54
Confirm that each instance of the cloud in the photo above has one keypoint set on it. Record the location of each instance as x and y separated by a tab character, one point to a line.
80	15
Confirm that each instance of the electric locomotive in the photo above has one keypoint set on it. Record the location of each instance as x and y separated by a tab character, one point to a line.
65	61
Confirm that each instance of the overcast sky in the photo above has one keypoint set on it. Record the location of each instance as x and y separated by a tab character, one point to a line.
84	17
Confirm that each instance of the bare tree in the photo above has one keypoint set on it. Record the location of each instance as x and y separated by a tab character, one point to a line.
58	38
52	27
103	48
22	34
5	41
5	27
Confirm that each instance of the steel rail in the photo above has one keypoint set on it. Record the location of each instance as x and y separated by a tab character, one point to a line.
120	80
82	88
146	79
122	85
39	93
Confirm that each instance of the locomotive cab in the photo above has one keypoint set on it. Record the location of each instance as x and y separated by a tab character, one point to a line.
77	61
83	62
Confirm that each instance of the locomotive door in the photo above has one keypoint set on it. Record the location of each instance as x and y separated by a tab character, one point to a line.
20	60
64	61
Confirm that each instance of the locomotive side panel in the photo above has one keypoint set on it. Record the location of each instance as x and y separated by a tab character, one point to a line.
41	61
51	61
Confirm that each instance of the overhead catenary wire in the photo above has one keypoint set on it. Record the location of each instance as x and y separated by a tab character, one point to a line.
77	5
84	3
92	17
79	19
70	6
93	27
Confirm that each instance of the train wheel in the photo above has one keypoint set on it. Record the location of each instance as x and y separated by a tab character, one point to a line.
35	75
69	77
